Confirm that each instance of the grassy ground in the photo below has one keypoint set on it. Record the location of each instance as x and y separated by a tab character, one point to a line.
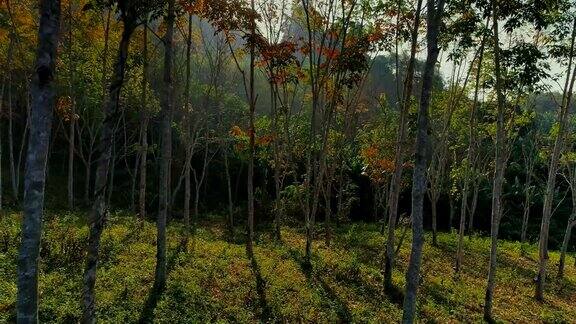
211	279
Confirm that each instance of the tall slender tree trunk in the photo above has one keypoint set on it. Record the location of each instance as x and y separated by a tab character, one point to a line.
188	113
434	209
565	241
552	172
23	142
105	102
229	190
112	171
87	177
72	128
396	183
13	180
71	136
143	130
203	177
434	19
469	164
340	199
499	168
1	110
187	188
328	201
251	130
134	176
166	150
473	205
278	208
43	95
526	211
99	211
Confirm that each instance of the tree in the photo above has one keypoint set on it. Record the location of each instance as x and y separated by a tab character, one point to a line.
395	184
499	164
553	166
530	158
165	149
130	13
434	21
571	179
43	95
145	119
470	156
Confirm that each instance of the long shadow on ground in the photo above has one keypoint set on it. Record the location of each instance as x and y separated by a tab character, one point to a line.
265	313
342	308
147	314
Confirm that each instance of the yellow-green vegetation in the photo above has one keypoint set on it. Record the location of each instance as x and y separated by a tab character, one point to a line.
212	279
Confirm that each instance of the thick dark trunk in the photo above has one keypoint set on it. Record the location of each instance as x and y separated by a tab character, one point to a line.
434	16
43	95
99	210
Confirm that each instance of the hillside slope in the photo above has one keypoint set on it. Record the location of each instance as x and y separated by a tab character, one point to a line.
211	279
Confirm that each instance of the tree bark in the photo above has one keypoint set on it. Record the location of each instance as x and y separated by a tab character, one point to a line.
434	19
143	130
72	128
474	204
229	190
112	171
499	168
565	241
87	176
277	165
396	183
188	114
469	164
552	172
1	110
99	211
251	130
526	211
165	150
13	180
434	209
43	95
328	202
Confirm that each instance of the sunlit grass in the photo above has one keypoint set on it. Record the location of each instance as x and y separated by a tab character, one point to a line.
211	279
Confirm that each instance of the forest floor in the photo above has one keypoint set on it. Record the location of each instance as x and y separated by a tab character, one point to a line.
211	279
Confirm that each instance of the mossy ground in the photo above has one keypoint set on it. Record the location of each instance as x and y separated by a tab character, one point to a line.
213	280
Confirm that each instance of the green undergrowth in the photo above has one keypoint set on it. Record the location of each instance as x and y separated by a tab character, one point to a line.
213	280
